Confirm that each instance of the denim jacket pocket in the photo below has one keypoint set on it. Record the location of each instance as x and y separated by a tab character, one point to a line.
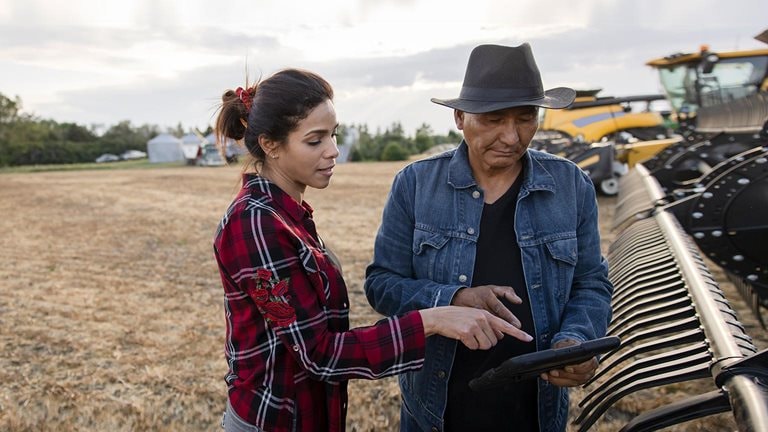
564	254
427	248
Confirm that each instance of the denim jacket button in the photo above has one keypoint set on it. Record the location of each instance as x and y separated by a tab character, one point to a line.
441	374
435	429
470	230
462	278
475	194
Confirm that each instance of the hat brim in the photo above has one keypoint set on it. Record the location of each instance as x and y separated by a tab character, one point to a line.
556	98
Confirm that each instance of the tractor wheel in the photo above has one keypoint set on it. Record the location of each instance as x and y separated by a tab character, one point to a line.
609	187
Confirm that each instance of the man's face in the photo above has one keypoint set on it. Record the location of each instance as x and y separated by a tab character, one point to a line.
497	140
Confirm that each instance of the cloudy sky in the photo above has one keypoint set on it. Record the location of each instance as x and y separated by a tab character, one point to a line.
168	61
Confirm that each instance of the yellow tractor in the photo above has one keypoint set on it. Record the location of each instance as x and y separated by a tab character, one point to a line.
696	81
606	136
594	119
720	100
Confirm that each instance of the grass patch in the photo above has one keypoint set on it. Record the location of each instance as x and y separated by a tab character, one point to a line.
130	164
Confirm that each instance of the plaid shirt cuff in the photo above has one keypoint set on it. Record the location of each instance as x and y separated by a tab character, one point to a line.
413	334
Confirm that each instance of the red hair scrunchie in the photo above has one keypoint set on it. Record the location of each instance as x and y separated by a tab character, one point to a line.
245	97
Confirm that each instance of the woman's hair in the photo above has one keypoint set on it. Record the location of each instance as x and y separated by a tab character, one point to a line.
272	107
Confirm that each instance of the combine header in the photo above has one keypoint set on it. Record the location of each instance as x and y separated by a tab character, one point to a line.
702	201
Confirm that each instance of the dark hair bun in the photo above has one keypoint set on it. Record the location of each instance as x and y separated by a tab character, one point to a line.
232	117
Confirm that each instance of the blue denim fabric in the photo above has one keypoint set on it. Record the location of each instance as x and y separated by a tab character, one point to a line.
425	252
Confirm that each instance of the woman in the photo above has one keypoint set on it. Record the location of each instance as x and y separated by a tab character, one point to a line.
288	343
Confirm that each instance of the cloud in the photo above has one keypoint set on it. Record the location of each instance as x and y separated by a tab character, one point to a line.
190	98
372	91
437	65
72	39
165	62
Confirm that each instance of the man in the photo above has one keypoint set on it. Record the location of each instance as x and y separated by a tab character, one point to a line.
497	226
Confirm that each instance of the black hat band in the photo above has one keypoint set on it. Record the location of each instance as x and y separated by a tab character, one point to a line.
501	94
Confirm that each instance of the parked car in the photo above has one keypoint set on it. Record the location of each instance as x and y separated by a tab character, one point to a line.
107	157
133	154
209	155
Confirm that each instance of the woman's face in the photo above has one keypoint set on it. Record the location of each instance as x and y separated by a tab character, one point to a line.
308	155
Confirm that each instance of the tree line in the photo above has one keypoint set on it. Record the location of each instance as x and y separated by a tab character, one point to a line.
393	144
26	139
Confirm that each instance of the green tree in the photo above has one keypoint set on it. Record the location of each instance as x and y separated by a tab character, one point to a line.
393	151
26	139
22	136
341	134
395	133
424	140
75	132
367	148
9	109
123	136
452	137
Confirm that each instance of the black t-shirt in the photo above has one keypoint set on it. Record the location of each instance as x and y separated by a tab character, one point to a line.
497	262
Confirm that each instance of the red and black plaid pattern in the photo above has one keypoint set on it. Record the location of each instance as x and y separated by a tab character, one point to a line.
288	343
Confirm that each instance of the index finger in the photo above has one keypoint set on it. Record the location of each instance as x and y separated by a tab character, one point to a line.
496	307
499	324
508	292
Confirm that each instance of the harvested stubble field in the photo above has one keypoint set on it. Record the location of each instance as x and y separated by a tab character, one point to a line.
111	311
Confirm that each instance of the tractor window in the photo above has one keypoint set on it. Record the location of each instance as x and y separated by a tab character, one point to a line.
678	85
732	79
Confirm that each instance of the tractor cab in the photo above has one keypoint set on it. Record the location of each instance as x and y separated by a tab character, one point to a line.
705	79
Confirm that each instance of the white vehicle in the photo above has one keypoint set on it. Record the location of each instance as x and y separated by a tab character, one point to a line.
107	157
133	154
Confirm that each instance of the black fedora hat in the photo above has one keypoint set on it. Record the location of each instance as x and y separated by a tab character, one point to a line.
500	77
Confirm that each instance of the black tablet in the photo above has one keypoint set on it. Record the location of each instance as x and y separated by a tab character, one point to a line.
532	365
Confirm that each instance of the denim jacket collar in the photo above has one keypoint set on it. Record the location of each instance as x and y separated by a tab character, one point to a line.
536	176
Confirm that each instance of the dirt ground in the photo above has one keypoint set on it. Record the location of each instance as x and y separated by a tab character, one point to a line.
111	311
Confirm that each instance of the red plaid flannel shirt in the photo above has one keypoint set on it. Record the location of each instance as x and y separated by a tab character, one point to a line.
288	343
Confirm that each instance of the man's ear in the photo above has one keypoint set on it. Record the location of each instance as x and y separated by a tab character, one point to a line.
458	117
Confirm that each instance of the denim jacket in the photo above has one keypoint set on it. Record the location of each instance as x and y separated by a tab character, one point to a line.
425	252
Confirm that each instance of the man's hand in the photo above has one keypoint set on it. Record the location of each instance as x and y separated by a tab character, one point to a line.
571	375
487	297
